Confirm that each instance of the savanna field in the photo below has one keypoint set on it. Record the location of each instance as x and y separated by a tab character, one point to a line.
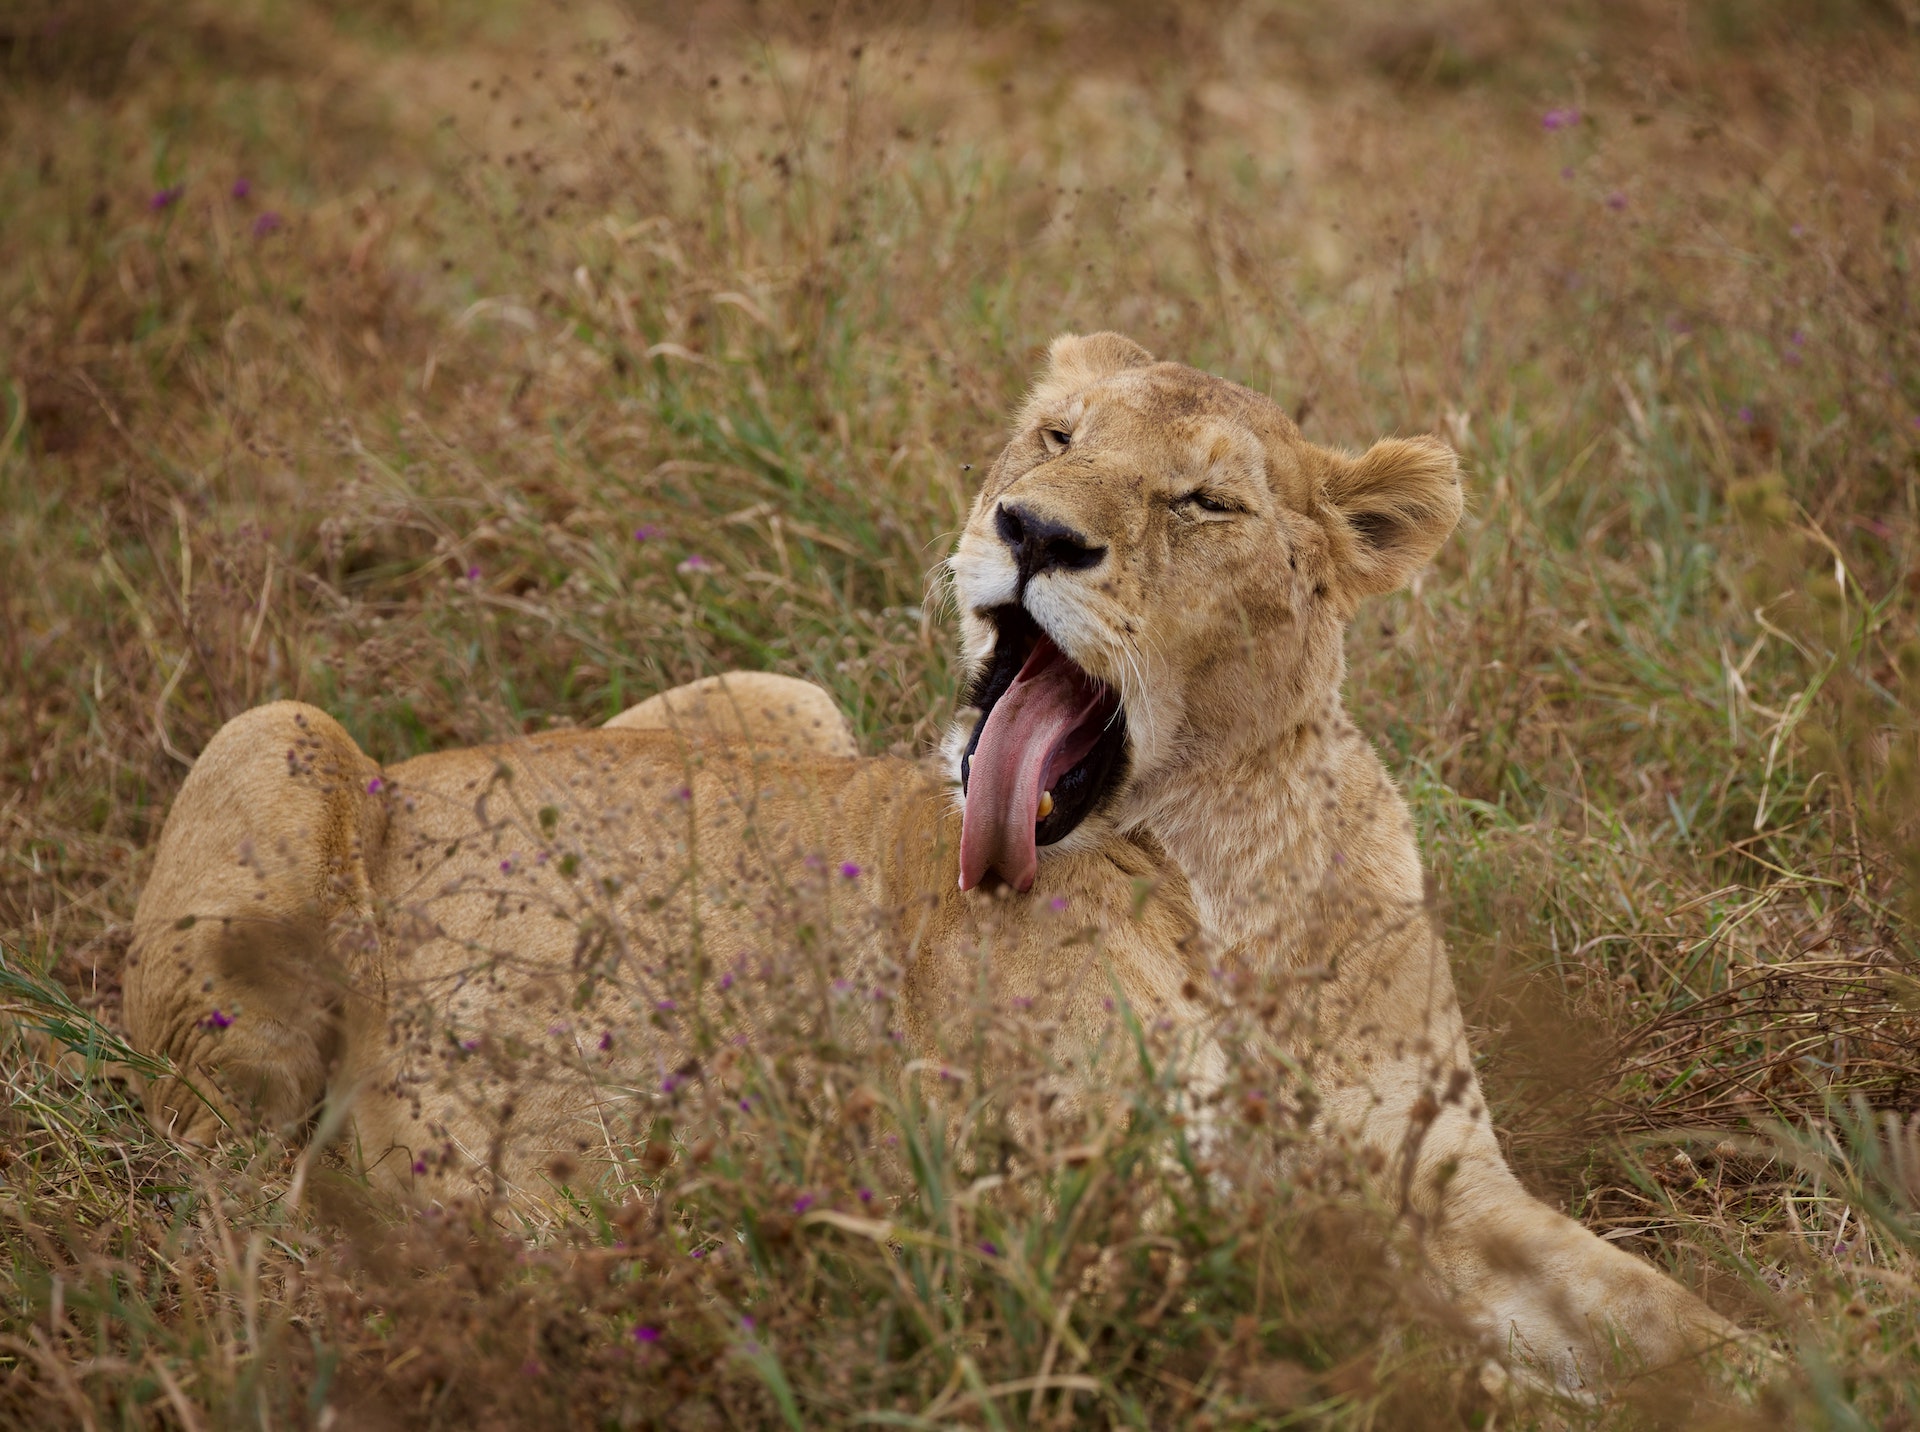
471	371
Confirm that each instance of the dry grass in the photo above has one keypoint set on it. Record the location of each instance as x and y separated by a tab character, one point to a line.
400	356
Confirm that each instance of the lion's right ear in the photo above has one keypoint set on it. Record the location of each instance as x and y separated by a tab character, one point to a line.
1076	361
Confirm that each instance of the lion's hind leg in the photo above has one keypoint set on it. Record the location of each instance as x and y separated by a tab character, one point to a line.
754	707
231	973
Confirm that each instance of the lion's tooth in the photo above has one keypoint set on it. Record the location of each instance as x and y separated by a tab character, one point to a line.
1046	804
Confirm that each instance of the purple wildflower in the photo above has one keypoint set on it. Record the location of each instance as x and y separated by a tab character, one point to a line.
698	1253
268	223
1746	415
989	1248
746	1107
1057	903
1616	201
473	572
646	1333
646	532
375	786
1797	338
606	1040
1560	119
506	866
241	188
556	1030
850	870
696	563
866	1195
166	198
665	1005
470	1045
803	1203
726	980
419	1165
217	1019
747	1322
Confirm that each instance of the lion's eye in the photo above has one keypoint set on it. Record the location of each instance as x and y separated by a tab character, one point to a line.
1055	440
1206	502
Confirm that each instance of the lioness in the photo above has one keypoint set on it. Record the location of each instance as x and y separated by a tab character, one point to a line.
1153	588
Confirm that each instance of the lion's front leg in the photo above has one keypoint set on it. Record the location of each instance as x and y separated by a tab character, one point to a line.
1396	1070
1547	1291
232	972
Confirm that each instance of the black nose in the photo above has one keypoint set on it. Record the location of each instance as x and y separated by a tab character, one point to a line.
1039	544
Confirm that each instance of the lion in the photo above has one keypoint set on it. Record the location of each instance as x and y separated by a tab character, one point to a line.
1167	543
456	962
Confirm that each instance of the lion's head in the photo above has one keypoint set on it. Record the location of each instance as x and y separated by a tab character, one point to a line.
1160	568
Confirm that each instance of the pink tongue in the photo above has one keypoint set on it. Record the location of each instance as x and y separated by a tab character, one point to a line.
1042	728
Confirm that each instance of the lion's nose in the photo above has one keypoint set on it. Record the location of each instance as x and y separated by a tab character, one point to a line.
1040	544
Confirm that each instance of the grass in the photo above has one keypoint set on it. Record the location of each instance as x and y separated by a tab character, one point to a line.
403	357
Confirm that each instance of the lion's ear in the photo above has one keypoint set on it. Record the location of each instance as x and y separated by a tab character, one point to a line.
1393	506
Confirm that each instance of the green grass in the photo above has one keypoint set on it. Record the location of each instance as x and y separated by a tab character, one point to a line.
536	280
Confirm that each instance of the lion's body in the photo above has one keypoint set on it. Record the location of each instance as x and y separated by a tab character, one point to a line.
360	927
1219	622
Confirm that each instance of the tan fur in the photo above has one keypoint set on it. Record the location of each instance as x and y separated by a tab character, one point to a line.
748	707
360	927
1224	633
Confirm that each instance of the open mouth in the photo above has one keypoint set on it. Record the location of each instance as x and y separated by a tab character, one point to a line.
1050	746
